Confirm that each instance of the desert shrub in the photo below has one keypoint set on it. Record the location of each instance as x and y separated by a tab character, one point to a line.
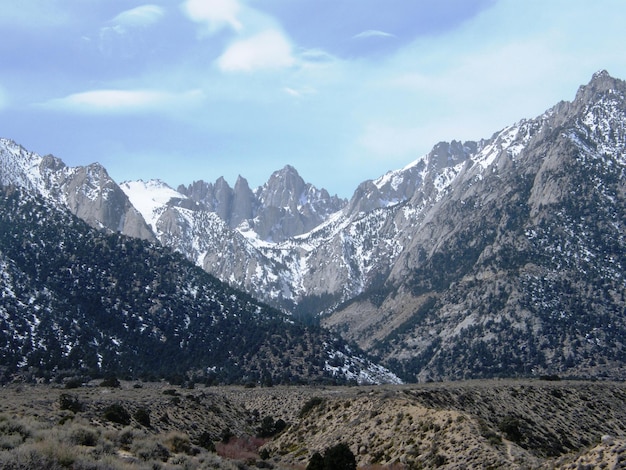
178	443
26	458
205	441
226	435
511	427
439	460
10	441
148	449
73	383
70	402
215	461
337	457
485	431
105	449
556	393
270	428
126	437
550	378
309	405
316	462
240	448
90	464
47	454
84	436
142	416
110	381
13	432
116	413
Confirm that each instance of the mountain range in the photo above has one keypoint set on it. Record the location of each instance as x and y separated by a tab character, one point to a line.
500	257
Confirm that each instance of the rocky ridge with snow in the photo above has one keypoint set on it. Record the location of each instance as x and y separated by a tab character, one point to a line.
80	302
436	261
518	268
431	266
88	192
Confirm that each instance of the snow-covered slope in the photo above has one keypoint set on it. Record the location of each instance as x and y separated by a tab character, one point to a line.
150	198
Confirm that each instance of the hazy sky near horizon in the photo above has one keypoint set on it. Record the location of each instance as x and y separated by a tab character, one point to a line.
343	90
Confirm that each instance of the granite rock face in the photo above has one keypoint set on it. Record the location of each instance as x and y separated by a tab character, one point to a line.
517	267
89	192
284	207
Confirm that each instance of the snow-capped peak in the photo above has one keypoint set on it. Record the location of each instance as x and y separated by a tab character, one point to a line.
150	197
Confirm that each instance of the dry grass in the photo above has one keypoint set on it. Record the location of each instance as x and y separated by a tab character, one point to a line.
497	424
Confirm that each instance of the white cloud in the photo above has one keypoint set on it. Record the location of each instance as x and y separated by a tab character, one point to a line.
126	35
373	33
267	50
215	14
123	101
141	16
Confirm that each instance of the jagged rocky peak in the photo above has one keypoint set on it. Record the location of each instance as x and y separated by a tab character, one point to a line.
52	163
87	191
600	83
222	199
283	207
402	185
366	198
512	253
243	203
447	154
199	191
283	189
288	206
286	188
216	197
602	87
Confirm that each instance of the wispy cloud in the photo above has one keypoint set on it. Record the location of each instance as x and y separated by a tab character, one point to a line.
267	50
300	92
123	101
127	35
215	15
373	33
141	16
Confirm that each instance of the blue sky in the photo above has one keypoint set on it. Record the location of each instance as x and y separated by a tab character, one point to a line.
343	90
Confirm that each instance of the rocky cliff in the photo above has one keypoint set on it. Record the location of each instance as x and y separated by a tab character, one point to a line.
89	192
518	267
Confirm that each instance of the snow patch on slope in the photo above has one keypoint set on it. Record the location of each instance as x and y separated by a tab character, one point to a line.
150	198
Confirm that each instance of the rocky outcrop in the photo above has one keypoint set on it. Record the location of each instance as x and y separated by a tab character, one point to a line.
282	208
88	192
517	264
